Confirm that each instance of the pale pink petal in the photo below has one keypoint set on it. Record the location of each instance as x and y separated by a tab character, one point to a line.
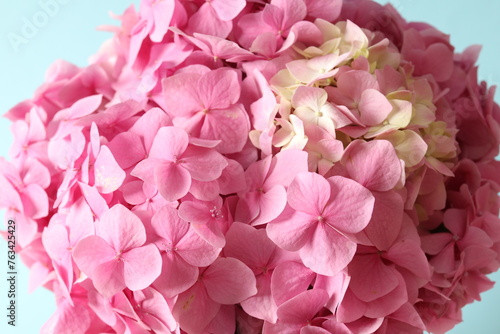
35	201
108	174
162	13
82	222
229	281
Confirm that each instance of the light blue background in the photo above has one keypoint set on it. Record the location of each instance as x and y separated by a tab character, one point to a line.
70	34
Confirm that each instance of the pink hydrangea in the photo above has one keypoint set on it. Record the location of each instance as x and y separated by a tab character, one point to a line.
261	167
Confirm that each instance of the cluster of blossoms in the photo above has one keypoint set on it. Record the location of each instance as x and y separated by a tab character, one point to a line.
283	166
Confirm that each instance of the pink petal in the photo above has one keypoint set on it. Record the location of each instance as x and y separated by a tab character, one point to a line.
293	11
374	164
285	165
229	281
82	222
147	125
162	12
176	275
292	229
133	154
373	107
232	179
350	207
206	21
230	125
409	255
219	89
108	174
290	279
55	241
204	190
371	278
35	201
172	180
271	204
303	307
141	267
108	277
181	94
133	193
145	170
90	252
196	251
328	10
169	144
168	225
121	229
249	245
194	309
204	164
262	305
202	222
228	9
309	193
386	220
328	251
